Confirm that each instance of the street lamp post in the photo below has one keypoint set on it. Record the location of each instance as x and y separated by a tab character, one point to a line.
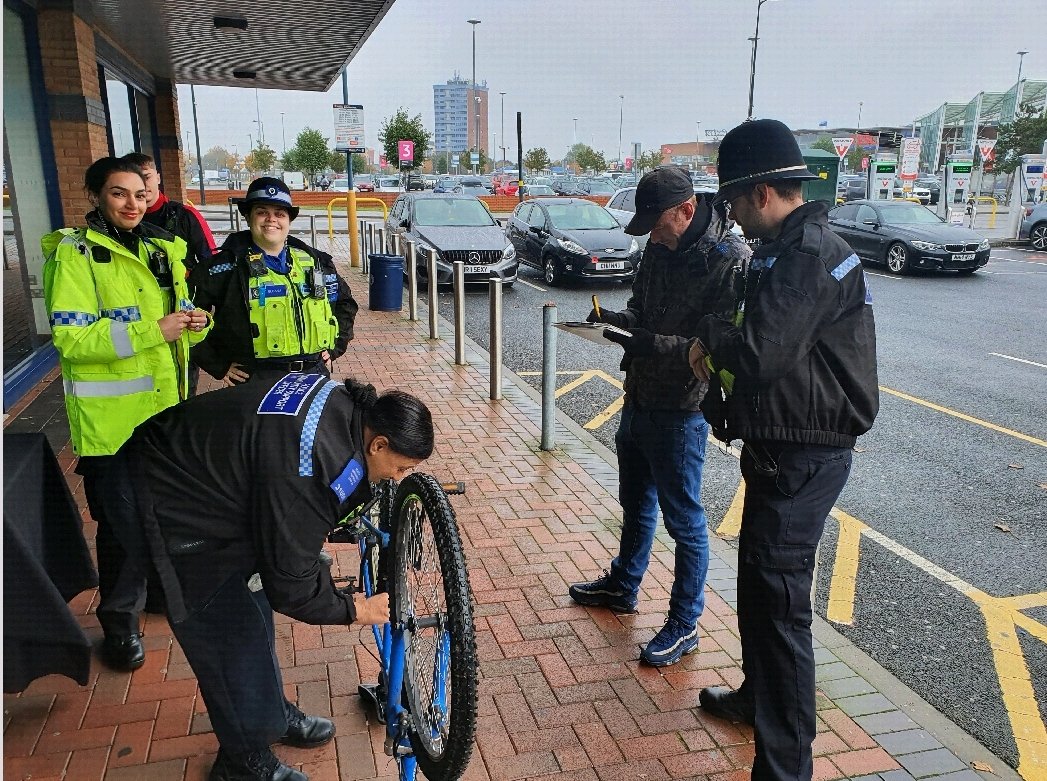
475	168
697	142
752	68
475	22
503	126
860	104
258	118
621	116
1018	84
283	134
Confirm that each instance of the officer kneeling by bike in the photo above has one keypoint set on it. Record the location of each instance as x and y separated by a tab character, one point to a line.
251	479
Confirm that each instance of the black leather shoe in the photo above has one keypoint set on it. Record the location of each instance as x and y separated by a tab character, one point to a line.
123	653
727	704
255	766
307	731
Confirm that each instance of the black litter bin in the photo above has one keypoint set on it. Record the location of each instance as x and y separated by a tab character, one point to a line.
386	291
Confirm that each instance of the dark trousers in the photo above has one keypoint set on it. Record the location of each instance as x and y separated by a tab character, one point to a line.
782	522
121	577
230	643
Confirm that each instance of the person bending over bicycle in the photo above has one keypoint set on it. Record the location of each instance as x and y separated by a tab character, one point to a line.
250	480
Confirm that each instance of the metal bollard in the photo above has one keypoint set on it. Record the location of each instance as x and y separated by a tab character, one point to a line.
370	241
434	313
396	243
459	313
361	226
412	281
312	228
495	290
549	377
379	238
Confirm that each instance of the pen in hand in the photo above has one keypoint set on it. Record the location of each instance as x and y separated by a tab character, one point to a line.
596	308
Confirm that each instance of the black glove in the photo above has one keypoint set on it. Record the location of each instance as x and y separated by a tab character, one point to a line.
638	344
611	318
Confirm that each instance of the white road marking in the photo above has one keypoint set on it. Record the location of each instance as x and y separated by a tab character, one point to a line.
883	276
1015	260
531	284
1020	360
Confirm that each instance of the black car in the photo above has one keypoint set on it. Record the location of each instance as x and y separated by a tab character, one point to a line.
854	189
572	237
414	182
907	236
458	227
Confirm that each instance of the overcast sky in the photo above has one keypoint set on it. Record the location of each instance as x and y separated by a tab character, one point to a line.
677	62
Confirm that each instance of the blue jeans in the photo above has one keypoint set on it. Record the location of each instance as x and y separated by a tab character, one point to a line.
660	459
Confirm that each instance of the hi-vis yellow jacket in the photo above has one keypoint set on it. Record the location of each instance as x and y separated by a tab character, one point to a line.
104	302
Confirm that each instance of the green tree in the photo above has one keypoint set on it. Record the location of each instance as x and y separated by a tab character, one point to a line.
1024	136
309	154
652	158
336	162
261	158
440	163
400	127
217	157
590	160
536	159
825	144
465	157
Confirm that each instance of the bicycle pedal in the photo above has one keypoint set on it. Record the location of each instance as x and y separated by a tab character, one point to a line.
453	488
369	692
399	748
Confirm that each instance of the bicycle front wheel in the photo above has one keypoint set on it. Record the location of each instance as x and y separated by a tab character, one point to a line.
431	601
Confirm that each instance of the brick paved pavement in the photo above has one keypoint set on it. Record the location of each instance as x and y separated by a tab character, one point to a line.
561	694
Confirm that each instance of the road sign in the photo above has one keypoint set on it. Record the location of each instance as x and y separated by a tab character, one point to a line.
628	164
349	128
843	145
382	161
454	159
910	160
986	147
474	158
865	163
405	151
715	135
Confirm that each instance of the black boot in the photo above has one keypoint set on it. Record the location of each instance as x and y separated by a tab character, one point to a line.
123	653
254	766
307	731
723	703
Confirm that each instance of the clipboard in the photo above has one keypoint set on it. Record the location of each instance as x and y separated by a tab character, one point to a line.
592	331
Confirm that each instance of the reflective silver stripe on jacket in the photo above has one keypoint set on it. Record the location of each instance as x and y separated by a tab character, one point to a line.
121	339
95	388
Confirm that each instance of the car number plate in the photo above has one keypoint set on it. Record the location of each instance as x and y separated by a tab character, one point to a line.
966	256
610	265
476	269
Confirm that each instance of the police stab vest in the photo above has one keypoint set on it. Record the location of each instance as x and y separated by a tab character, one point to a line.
290	313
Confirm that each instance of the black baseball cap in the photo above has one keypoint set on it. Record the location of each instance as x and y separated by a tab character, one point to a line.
658	190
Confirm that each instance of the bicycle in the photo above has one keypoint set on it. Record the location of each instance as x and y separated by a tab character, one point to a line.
426	690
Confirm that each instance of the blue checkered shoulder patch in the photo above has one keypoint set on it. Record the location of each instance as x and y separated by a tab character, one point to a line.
849	263
220	268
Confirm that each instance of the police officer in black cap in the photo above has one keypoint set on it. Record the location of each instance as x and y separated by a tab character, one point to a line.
793	376
279	305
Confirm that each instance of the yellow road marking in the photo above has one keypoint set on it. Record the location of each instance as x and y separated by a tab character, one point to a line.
583	378
732	519
1019	697
962	416
608	412
844	580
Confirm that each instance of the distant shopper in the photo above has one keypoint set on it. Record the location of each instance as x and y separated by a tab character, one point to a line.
794	377
279	305
122	322
686	273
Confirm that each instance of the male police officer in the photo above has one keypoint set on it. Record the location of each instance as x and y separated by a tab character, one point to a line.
686	273
797	363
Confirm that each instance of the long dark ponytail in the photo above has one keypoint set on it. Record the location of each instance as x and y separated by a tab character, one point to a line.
401	418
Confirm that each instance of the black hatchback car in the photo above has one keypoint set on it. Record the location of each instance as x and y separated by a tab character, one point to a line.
458	227
572	237
907	236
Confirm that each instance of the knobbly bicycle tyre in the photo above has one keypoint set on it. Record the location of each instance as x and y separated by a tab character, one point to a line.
421	513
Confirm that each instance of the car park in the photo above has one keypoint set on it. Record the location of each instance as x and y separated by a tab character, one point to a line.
363	183
1034	226
537	191
933	187
488	182
470	186
855	189
430	181
506	187
572	237
916	191
388	184
414	182
445	184
458	227
597	187
907	236
340	185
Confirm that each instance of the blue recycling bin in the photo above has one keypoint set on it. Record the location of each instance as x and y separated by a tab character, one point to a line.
386	291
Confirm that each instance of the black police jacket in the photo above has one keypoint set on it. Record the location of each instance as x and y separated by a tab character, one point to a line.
251	479
804	356
179	221
222	283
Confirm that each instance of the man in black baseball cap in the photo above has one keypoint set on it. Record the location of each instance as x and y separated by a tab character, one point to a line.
686	272
794	377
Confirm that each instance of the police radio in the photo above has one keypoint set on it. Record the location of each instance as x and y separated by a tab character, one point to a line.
319	288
